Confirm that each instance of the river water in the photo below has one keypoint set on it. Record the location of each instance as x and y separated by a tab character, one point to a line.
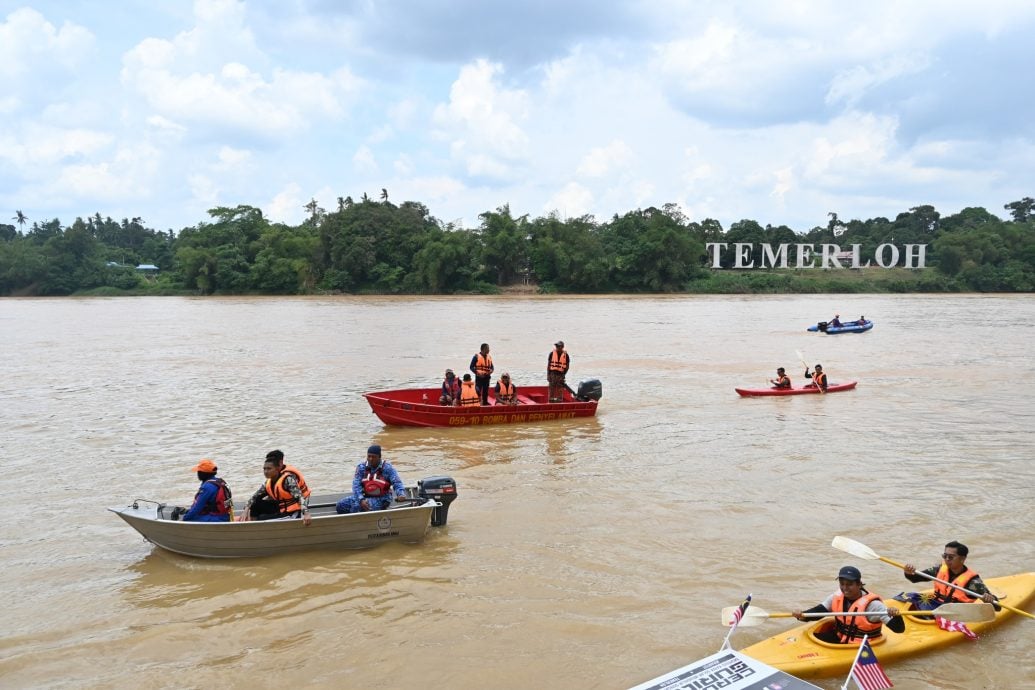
580	554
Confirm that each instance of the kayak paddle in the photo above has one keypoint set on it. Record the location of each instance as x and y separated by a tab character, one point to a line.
965	613
863	551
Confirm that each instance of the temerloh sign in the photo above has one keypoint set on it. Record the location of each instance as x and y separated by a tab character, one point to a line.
828	255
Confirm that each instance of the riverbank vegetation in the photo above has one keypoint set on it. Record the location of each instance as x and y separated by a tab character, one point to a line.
377	247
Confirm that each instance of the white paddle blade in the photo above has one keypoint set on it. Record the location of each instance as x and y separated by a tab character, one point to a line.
855	548
752	616
965	613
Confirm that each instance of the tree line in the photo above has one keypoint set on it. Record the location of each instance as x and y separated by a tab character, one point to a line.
377	247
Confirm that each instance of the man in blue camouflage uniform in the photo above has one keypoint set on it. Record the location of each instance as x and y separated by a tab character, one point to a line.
373	485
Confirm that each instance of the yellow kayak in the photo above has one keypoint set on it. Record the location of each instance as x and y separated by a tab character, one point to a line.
799	653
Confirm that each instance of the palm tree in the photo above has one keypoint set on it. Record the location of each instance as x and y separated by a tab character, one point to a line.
384	195
20	218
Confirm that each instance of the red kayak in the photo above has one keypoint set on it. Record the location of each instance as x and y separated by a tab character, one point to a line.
807	390
419	407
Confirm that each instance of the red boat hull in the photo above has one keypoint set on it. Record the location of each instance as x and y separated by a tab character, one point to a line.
407	407
759	392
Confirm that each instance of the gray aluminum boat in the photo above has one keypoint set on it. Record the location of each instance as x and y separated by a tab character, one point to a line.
428	504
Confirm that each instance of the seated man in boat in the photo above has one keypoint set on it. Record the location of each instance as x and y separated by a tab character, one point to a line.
836	321
373	485
861	321
782	380
212	502
852	597
283	494
953	569
506	392
450	389
819	377
469	396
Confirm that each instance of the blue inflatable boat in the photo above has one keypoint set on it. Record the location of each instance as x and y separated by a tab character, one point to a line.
849	327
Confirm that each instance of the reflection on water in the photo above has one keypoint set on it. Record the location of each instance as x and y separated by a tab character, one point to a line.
585	553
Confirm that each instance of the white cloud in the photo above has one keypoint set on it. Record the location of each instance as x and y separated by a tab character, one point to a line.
232	159
286	205
204	191
28	43
572	201
481	122
363	161
603	160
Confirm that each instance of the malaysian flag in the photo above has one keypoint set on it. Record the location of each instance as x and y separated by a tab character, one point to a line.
956	626
867	672
739	613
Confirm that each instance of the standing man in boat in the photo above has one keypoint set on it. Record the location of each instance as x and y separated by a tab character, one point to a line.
852	597
819	377
212	502
481	365
506	392
953	568
557	364
782	380
283	494
373	485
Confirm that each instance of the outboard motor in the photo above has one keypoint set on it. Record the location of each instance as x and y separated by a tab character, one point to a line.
822	326
441	489
590	390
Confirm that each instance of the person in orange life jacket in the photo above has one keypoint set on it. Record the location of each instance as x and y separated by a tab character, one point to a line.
283	494
853	598
557	363
952	569
468	393
819	377
212	501
481	365
506	392
782	380
450	389
836	321
373	485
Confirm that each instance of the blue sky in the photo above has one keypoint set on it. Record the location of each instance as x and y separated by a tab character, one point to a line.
775	111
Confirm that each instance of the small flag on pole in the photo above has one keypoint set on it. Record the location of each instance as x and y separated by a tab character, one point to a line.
956	626
739	613
867	672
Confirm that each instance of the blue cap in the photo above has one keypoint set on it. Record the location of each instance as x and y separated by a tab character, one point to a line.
849	572
375	449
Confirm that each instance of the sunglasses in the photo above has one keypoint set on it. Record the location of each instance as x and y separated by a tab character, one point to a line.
949	556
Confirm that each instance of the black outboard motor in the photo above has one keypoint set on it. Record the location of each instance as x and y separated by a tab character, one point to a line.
441	489
590	390
823	326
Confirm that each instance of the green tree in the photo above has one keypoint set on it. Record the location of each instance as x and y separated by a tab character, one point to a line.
1021	211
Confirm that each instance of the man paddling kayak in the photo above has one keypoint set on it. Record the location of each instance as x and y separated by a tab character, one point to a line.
819	377
952	569
853	598
782	380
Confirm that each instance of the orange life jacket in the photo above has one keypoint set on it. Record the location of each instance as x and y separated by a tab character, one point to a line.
558	361
468	395
276	490
506	392
483	364
820	378
946	593
375	484
852	628
783	382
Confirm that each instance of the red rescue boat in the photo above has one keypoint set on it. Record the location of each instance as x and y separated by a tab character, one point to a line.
419	407
758	392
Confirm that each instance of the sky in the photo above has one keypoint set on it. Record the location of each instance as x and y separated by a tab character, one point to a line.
779	112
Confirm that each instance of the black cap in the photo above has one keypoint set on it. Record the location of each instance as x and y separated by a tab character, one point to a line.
849	572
